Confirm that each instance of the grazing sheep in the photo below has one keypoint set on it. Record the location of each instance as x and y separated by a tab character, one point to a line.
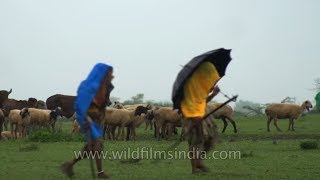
149	117
140	115
277	111
41	105
20	119
162	116
224	113
118	118
6	135
44	118
131	128
118	105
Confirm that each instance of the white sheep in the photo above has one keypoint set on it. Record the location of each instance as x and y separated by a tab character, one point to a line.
44	118
20	119
6	135
118	118
137	121
277	111
165	115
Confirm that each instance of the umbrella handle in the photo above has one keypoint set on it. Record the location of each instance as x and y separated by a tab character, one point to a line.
234	98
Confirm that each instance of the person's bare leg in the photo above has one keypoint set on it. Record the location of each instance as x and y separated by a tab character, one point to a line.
201	138
98	148
67	167
195	133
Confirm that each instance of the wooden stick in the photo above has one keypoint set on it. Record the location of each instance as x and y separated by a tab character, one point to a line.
219	107
90	148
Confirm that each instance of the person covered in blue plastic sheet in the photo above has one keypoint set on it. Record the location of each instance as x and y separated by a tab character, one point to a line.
92	98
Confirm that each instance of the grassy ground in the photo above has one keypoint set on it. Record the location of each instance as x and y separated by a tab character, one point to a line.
274	155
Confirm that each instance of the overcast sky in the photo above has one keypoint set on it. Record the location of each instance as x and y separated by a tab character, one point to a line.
49	47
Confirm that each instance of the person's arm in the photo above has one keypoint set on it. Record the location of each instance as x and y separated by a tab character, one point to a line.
100	97
214	92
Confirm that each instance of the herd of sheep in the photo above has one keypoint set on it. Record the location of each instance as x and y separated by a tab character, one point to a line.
22	115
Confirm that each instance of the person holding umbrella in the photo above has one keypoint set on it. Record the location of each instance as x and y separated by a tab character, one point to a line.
92	98
193	88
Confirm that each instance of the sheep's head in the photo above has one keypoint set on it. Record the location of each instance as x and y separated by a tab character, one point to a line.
150	115
308	105
140	110
41	105
32	102
118	105
25	114
54	114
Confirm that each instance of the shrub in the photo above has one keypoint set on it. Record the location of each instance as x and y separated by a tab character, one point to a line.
43	135
309	145
29	147
246	154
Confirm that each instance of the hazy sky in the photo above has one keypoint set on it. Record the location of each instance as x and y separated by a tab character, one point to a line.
48	47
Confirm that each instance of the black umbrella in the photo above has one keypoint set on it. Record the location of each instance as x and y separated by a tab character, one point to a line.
220	58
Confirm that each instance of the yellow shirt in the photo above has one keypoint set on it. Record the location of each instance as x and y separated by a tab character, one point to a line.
197	89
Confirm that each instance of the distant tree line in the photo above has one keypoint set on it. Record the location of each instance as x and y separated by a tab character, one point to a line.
139	99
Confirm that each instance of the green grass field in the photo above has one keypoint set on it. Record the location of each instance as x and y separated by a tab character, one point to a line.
274	155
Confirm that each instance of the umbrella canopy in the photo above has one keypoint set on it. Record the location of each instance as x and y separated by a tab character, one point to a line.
217	60
85	94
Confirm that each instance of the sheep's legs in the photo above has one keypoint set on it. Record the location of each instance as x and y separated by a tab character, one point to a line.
5	123
292	124
151	124
276	124
105	127
147	124
15	131
233	124
157	130
133	132
225	124
289	128
53	126
119	131
122	133
268	123
163	131
11	127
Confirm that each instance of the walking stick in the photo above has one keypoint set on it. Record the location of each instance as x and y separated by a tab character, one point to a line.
90	148
234	98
